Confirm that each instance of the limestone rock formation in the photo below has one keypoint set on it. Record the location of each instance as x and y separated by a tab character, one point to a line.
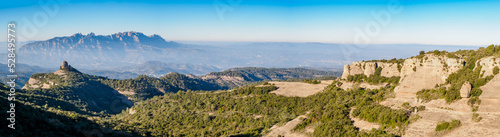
389	69
465	90
64	65
416	73
487	65
368	68
426	72
346	72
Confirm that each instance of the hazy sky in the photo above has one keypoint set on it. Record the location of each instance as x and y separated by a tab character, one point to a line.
440	22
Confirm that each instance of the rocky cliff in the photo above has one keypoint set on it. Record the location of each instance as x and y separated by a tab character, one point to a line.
477	109
490	97
417	73
426	72
488	64
368	68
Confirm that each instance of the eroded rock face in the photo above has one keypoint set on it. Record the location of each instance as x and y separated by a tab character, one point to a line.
368	68
64	65
465	90
426	72
487	65
416	74
490	96
389	69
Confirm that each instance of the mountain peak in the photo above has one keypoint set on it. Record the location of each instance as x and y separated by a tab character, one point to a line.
91	34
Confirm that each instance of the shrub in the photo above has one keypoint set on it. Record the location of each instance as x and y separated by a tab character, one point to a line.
442	125
476	117
496	70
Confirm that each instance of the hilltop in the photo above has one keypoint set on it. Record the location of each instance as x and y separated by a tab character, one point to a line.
97	94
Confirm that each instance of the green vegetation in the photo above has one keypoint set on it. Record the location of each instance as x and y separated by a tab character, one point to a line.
426	95
382	115
312	81
260	74
97	95
147	87
37	120
496	70
251	111
442	125
251	75
476	117
376	78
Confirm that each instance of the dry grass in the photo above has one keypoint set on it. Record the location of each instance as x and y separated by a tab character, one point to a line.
299	89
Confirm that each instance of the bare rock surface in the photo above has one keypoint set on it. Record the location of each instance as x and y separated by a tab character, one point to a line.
487	65
490	98
465	90
422	73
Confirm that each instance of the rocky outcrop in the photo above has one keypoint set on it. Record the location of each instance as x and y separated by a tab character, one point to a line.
44	81
64	65
389	69
426	72
490	96
487	64
417	73
465	90
368	68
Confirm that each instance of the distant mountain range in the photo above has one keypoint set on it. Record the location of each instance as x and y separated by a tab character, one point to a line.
96	50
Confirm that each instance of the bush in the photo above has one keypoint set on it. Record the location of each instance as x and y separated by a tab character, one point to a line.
442	125
476	117
496	70
312	81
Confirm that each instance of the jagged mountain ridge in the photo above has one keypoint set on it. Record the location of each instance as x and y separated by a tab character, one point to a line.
97	50
129	40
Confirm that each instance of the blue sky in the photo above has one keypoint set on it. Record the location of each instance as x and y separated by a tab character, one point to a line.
439	22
